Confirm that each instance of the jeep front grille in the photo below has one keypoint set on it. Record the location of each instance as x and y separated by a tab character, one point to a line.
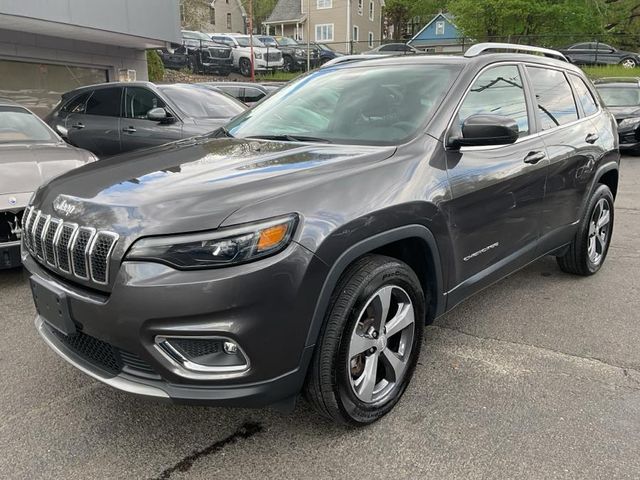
68	248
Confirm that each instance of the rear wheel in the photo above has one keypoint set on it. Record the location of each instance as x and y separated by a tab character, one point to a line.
245	67
589	248
287	64
370	342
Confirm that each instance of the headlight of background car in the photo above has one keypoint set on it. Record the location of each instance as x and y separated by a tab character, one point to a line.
629	122
220	248
300	53
257	54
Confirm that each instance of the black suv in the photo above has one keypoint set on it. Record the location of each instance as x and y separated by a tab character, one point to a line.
294	54
199	54
307	253
598	53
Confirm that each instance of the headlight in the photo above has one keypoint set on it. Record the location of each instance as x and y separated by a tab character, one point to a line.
257	54
629	122
220	248
300	53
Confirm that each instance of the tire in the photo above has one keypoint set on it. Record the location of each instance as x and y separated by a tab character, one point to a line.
580	259
191	65
287	65
245	67
628	63
332	386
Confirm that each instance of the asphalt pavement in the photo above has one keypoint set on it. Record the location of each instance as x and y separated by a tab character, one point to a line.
537	377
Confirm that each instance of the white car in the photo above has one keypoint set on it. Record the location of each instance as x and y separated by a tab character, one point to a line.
265	58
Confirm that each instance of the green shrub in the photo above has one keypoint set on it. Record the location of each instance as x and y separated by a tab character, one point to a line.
155	67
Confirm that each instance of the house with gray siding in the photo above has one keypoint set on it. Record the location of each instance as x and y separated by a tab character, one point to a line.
50	47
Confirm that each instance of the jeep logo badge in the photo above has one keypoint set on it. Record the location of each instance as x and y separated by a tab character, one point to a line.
63	207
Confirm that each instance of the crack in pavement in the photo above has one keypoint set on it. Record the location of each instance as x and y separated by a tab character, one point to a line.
625	369
247	430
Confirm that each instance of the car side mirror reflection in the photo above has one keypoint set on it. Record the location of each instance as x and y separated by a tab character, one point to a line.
158	114
484	130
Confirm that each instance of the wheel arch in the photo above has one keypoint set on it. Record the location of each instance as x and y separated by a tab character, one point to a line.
410	244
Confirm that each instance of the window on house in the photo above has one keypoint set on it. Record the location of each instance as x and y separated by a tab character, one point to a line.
212	16
370	39
324	32
323	4
229	21
371	10
356	32
360	7
440	28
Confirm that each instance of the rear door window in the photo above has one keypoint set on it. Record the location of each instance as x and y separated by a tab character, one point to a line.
104	102
555	103
498	91
585	98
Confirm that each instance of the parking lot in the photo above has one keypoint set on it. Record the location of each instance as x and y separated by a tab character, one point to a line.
536	377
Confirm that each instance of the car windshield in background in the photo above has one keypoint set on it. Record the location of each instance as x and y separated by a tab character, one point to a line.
244	42
198	102
372	106
18	125
620	96
286	41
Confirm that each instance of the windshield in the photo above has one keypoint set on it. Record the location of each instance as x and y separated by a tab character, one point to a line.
286	41
200	102
270	41
374	106
620	96
324	47
18	125
244	42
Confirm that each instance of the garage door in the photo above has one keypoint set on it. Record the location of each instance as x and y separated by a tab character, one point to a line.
38	86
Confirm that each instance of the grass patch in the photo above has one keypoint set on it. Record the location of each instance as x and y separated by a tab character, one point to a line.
611	71
277	76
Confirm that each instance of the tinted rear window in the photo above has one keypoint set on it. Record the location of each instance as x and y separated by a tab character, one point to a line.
105	102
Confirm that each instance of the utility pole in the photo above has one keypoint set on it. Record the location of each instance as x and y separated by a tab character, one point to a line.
308	35
253	74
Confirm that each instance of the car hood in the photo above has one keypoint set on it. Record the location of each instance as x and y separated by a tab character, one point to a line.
620	113
194	184
25	167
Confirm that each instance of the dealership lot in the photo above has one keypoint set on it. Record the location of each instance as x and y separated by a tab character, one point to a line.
537	377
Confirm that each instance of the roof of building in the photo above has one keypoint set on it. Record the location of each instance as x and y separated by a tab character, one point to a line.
286	11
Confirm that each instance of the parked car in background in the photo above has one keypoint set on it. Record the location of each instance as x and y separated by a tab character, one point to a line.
264	59
30	154
622	98
112	118
199	54
597	53
393	49
325	53
294	54
304	247
247	93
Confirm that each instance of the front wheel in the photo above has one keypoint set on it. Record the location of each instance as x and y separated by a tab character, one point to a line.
245	67
629	63
590	246
287	64
370	342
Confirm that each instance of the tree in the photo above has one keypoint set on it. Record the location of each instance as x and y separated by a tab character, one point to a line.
543	22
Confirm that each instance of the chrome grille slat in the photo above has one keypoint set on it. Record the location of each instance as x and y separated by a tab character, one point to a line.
82	252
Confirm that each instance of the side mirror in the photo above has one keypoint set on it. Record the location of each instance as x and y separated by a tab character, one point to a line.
157	114
484	130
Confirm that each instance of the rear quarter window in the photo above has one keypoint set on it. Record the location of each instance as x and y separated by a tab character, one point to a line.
555	103
584	96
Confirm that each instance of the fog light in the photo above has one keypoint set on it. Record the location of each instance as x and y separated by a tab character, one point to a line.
230	348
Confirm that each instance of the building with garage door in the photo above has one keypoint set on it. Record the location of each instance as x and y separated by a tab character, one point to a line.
48	47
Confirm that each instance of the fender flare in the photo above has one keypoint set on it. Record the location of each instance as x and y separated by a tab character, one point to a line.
607	167
363	247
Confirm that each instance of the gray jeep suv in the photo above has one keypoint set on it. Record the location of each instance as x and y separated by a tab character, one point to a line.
303	247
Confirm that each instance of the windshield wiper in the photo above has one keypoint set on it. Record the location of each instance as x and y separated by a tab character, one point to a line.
291	138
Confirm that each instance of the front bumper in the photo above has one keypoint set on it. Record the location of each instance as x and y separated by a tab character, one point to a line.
10	255
261	64
262	306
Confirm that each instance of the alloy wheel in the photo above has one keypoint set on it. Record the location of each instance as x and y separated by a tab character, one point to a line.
381	344
599	231
628	63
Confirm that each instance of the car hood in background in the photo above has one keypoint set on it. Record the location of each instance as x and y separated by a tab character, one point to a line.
194	184
25	167
620	113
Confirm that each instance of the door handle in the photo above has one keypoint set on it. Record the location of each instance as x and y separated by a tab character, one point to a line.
591	138
78	126
534	157
129	130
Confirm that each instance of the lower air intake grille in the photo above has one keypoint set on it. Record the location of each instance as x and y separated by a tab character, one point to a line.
194	348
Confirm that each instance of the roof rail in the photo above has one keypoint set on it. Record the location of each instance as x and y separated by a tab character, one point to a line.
481	48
